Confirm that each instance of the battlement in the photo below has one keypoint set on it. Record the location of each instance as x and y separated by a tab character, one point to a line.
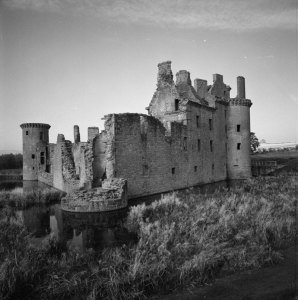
35	125
240	102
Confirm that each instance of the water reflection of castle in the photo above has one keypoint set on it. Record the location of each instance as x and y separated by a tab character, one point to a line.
30	186
77	231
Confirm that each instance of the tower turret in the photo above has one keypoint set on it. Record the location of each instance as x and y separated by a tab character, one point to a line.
238	133
35	150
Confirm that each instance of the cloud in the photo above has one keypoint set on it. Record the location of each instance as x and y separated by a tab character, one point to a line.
235	15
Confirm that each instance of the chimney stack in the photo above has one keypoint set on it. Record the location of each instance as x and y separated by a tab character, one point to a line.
76	131
165	75
240	87
183	76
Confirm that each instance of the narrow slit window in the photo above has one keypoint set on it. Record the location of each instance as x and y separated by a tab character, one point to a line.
145	169
185	143
238	146
198	121
41	136
195	168
212	167
238	128
173	171
27	132
42	158
211	146
210	124
176	104
33	156
199	145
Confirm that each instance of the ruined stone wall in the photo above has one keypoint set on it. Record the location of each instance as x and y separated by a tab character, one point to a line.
51	153
76	151
64	172
46	178
156	159
88	157
99	158
145	156
110	128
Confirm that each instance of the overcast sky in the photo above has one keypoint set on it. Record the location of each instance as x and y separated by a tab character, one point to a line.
67	62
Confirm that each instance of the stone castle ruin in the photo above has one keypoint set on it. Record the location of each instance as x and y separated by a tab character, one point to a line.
193	134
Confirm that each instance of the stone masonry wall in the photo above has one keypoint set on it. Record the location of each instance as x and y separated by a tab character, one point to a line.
156	159
207	162
45	177
64	172
99	158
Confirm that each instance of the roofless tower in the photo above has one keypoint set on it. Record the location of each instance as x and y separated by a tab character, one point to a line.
35	151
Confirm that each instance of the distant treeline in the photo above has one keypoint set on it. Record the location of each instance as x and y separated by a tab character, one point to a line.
11	161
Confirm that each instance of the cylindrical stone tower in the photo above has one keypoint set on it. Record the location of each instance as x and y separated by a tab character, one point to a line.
35	154
238	133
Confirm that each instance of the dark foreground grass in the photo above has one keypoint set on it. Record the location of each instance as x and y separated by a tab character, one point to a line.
18	199
182	242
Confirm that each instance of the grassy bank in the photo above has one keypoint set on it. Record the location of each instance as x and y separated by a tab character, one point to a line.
182	242
18	199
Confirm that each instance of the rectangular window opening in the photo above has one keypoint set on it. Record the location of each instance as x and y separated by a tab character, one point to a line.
210	124
211	146
238	146
33	156
199	145
42	159
173	171
195	168
41	136
27	132
238	128
176	104
198	121
32	168
212	167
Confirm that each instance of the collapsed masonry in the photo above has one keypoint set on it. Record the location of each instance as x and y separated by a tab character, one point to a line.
193	134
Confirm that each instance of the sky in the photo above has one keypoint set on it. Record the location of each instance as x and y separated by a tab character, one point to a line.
70	62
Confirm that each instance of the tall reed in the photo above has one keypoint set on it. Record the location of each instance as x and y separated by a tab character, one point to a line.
182	242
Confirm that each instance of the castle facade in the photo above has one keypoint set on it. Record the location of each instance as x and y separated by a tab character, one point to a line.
193	134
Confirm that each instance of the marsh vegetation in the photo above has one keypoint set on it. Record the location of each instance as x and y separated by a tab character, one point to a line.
182	241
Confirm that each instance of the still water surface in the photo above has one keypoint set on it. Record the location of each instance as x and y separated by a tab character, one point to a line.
84	231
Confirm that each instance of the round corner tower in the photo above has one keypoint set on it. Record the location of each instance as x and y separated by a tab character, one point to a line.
35	149
238	132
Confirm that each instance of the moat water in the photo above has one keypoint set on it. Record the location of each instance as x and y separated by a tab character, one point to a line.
89	230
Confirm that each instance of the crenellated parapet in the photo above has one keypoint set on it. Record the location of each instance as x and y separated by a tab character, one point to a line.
35	125
240	102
